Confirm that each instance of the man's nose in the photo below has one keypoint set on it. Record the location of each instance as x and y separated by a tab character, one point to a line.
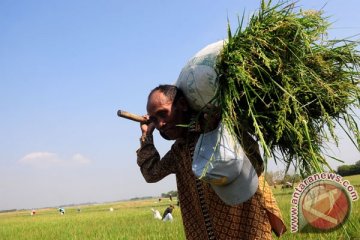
161	123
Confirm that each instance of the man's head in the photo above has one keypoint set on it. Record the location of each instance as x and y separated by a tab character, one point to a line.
167	109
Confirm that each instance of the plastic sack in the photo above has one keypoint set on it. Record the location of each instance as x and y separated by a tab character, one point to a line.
198	78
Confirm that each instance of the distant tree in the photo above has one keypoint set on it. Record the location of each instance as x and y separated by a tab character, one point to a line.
269	177
296	178
172	193
348	170
343	170
291	179
278	176
287	178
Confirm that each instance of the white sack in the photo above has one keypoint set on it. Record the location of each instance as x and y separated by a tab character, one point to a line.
198	79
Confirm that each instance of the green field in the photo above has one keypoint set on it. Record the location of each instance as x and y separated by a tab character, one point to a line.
134	220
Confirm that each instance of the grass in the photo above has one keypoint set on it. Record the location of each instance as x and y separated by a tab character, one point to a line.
129	220
134	220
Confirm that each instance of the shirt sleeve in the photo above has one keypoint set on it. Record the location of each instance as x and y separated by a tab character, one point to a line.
152	167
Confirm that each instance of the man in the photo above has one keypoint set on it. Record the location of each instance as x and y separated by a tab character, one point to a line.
62	211
204	214
167	216
156	214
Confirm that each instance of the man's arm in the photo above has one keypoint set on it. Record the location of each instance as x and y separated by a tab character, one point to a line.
152	167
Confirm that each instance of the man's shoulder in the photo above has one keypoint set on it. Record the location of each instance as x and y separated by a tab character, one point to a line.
189	140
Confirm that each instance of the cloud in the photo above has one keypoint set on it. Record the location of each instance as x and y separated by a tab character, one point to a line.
40	159
48	159
80	159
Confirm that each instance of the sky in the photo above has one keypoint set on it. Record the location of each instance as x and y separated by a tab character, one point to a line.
66	67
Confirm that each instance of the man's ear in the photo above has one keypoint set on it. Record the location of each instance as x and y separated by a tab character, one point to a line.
183	104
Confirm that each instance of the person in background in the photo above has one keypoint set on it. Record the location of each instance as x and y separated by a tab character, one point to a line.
167	215
204	214
156	214
62	211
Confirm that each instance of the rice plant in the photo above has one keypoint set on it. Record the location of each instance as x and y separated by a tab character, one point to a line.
283	81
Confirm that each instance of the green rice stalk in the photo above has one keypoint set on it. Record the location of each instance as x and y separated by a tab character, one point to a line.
284	82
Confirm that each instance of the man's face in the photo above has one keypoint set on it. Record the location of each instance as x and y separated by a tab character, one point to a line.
166	115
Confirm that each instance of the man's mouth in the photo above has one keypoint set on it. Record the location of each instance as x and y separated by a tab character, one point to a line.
164	135
165	131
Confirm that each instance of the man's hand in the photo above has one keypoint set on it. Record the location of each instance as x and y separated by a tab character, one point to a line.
147	128
211	117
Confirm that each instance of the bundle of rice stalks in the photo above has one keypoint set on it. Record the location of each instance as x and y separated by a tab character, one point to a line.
281	80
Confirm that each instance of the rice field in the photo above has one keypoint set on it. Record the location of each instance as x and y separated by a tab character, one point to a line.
134	220
350	230
128	220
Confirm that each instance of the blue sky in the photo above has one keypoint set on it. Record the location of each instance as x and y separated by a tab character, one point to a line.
66	67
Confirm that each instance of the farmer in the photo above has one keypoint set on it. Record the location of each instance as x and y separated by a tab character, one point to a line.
62	211
156	214
205	215
167	215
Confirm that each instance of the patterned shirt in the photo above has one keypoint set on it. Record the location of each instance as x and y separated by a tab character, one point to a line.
204	214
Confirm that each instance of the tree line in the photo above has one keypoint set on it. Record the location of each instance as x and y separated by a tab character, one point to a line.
347	170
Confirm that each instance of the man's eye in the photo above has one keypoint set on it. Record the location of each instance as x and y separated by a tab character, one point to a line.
153	119
162	114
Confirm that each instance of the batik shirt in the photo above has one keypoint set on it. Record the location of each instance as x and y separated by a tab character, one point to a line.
204	214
